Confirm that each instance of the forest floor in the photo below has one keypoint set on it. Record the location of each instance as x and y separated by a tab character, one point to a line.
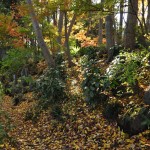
79	128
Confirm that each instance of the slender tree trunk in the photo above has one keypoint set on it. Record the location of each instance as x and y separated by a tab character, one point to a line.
67	42
48	57
55	18
130	31
100	31
148	16
71	24
60	26
110	42
119	36
143	16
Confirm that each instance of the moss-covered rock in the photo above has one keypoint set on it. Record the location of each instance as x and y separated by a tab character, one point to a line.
135	120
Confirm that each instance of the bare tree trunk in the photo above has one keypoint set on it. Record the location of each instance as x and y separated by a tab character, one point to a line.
119	36
143	16
67	43
71	24
55	18
48	57
110	42
100	31
148	16
60	26
130	31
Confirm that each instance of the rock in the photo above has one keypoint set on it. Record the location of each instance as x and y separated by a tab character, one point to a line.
112	110
135	121
147	96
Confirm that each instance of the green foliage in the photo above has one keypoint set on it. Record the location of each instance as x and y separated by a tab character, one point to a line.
15	60
125	68
1	91
51	87
93	83
74	50
91	52
5	126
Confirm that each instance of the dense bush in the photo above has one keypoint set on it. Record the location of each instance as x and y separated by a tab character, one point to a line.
94	82
51	87
14	61
92	52
124	69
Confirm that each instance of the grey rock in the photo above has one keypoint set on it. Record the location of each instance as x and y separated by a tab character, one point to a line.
147	96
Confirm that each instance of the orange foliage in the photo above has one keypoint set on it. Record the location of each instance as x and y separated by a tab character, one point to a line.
87	41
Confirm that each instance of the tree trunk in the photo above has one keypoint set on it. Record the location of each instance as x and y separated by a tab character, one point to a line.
130	31
110	42
148	16
119	33
67	43
100	31
48	57
60	26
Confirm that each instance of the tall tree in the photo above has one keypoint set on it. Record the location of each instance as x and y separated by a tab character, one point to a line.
100	28
67	34
45	50
110	41
60	26
130	31
119	33
148	16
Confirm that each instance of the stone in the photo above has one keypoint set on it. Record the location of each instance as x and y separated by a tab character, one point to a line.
135	121
147	96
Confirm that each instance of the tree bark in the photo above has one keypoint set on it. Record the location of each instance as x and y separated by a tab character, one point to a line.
119	34
67	34
100	31
48	57
130	31
148	16
67	43
60	26
110	42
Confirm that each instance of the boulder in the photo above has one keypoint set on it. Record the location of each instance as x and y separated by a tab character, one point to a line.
135	121
147	96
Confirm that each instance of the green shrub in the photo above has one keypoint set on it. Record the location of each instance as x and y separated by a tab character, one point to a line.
93	83
5	126
14	61
124	69
91	52
1	91
50	86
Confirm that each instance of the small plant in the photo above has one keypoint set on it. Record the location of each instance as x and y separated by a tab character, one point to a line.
74	50
1	91
5	126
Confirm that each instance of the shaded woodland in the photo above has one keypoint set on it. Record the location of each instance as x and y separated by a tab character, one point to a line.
75	74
